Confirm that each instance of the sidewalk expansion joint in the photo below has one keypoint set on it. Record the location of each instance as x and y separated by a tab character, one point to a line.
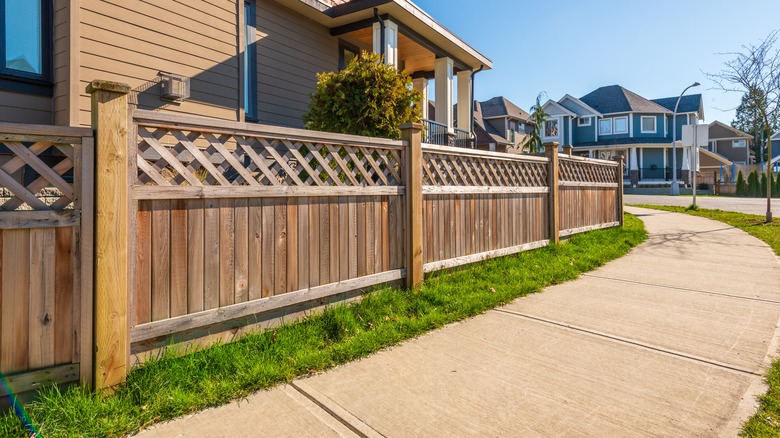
700	291
629	342
336	411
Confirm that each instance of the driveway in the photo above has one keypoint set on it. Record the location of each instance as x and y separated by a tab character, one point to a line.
671	340
742	205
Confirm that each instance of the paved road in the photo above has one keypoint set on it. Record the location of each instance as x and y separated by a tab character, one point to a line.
667	341
743	205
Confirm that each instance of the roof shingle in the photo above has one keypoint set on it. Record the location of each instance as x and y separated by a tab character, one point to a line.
616	99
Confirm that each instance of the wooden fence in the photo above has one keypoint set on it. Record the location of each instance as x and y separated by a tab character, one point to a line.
206	225
45	256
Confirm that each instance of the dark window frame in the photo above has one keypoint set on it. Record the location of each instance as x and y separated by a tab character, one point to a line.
250	64
24	82
345	46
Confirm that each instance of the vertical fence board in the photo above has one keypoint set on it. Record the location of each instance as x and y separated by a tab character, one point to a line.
15	283
195	255
143	266
280	249
314	243
303	243
63	301
211	246
227	255
178	256
161	259
324	232
255	249
42	297
269	240
333	209
344	239
292	245
241	274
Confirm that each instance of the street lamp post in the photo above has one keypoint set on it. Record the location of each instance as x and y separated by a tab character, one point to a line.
675	186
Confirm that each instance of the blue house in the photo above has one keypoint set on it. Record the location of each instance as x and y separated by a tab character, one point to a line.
614	121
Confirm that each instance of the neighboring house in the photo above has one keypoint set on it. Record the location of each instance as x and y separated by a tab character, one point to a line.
246	60
731	143
500	125
776	148
613	121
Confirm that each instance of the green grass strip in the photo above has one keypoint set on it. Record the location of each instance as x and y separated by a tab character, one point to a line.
766	422
174	385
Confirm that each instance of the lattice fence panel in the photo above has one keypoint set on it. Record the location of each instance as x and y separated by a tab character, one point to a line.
173	157
467	170
38	176
586	172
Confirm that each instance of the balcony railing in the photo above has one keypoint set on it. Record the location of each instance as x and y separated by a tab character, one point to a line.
464	139
436	133
658	174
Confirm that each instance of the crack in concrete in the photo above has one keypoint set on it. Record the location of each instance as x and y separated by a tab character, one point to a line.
629	342
686	289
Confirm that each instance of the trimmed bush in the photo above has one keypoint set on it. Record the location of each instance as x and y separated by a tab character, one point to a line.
754	186
741	184
367	98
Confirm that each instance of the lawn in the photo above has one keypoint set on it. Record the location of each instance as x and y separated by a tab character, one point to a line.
176	385
766	422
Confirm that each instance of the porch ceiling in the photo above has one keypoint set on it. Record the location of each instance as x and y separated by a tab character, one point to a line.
412	56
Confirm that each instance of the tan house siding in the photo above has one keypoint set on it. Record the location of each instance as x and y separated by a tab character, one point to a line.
724	147
61	67
25	108
132	41
291	51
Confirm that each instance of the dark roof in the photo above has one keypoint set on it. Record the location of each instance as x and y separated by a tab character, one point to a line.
616	99
620	141
501	107
688	104
485	133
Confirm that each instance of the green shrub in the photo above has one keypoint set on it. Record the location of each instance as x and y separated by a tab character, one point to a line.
741	185
753	188
764	184
777	186
367	98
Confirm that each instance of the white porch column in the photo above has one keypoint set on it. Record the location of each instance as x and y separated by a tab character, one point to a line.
685	164
421	85
443	72
391	41
465	101
633	160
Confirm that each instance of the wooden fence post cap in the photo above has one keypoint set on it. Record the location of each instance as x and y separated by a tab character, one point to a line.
553	144
116	87
412	126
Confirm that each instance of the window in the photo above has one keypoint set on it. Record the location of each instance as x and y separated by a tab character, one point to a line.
621	125
25	45
605	126
551	128
583	121
648	125
347	52
739	143
250	62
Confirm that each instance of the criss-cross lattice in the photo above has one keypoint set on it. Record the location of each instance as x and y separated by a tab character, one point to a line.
585	171
441	169
38	176
181	157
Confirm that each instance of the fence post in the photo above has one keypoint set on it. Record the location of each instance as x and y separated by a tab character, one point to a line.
568	150
111	337
413	175
551	150
619	177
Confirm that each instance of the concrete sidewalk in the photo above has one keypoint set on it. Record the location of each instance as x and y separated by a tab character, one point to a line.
671	340
726	203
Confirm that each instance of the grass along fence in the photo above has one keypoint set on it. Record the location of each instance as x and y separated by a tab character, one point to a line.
205	227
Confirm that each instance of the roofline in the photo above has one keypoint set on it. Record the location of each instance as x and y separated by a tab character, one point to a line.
414	10
588	107
776	136
566	110
733	129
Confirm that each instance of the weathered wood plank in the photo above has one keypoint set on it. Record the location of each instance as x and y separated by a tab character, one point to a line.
33	380
161	260
15	282
324	232
178	256
141	192
143	266
63	295
42	297
314	242
333	229
268	253
212	246
255	249
40	219
292	246
195	256
207	318
241	281
227	256
344	238
280	254
303	243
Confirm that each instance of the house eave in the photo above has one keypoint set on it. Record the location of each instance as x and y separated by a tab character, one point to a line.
405	12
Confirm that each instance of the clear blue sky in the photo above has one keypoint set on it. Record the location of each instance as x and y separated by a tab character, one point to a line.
652	48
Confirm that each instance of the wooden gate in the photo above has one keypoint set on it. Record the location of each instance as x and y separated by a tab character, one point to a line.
45	256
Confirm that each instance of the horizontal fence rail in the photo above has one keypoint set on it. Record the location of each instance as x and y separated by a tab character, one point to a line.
45	256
